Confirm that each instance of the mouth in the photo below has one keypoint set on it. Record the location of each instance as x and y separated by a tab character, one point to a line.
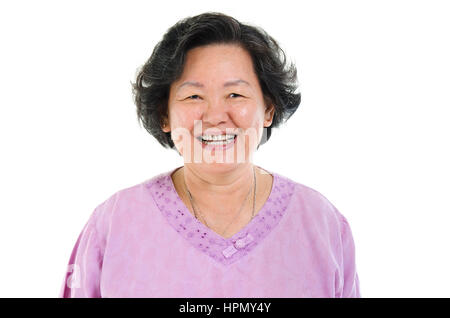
225	141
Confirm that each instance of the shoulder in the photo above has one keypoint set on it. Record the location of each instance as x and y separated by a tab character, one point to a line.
126	203
313	215
310	204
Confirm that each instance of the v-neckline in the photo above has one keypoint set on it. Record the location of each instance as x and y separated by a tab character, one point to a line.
223	250
211	230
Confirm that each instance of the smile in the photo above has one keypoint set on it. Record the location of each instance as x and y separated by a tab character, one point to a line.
224	141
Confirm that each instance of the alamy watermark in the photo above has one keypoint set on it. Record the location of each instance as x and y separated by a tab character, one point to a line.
74	279
240	151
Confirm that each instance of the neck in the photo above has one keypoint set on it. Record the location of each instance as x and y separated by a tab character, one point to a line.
218	191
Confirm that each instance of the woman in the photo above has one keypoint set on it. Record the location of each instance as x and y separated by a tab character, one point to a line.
219	226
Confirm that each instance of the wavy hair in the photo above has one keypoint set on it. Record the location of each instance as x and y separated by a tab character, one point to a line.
277	77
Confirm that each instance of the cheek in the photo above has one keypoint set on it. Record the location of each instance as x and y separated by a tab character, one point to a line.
251	119
250	116
182	118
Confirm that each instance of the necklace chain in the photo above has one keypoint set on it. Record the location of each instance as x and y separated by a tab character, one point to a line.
192	200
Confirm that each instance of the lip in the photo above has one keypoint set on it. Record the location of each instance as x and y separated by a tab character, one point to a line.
220	134
223	147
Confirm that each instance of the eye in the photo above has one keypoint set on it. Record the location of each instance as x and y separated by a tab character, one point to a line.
193	97
237	95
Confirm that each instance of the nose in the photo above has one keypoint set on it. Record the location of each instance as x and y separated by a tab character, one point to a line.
215	113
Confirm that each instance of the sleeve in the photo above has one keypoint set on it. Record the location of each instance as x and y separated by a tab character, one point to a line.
82	277
350	282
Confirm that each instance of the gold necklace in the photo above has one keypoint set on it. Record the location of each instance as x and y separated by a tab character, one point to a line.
191	199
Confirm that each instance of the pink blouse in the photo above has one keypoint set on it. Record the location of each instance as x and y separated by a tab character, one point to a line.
143	242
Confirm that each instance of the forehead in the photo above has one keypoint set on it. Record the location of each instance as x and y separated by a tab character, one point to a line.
218	50
217	60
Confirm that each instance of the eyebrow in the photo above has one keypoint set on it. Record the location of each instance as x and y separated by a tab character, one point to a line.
226	84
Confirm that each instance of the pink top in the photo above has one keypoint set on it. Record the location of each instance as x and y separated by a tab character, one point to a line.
143	242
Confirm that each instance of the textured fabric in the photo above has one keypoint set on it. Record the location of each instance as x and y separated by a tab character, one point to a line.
143	242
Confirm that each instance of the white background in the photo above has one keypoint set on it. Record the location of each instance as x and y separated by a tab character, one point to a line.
371	134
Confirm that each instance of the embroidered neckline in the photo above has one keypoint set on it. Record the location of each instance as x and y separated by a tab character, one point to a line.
224	250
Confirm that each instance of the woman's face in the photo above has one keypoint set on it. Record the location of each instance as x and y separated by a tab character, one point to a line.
217	93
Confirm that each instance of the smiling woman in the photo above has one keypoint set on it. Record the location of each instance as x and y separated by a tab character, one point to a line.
213	89
277	79
228	99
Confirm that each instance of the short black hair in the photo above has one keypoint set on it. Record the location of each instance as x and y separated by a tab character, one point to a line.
277	77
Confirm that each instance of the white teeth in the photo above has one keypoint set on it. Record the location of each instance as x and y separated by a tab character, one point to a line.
217	137
218	140
222	142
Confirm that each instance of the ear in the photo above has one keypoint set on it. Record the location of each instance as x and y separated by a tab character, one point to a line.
165	126
268	116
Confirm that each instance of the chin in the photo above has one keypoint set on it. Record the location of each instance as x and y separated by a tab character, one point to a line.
216	167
